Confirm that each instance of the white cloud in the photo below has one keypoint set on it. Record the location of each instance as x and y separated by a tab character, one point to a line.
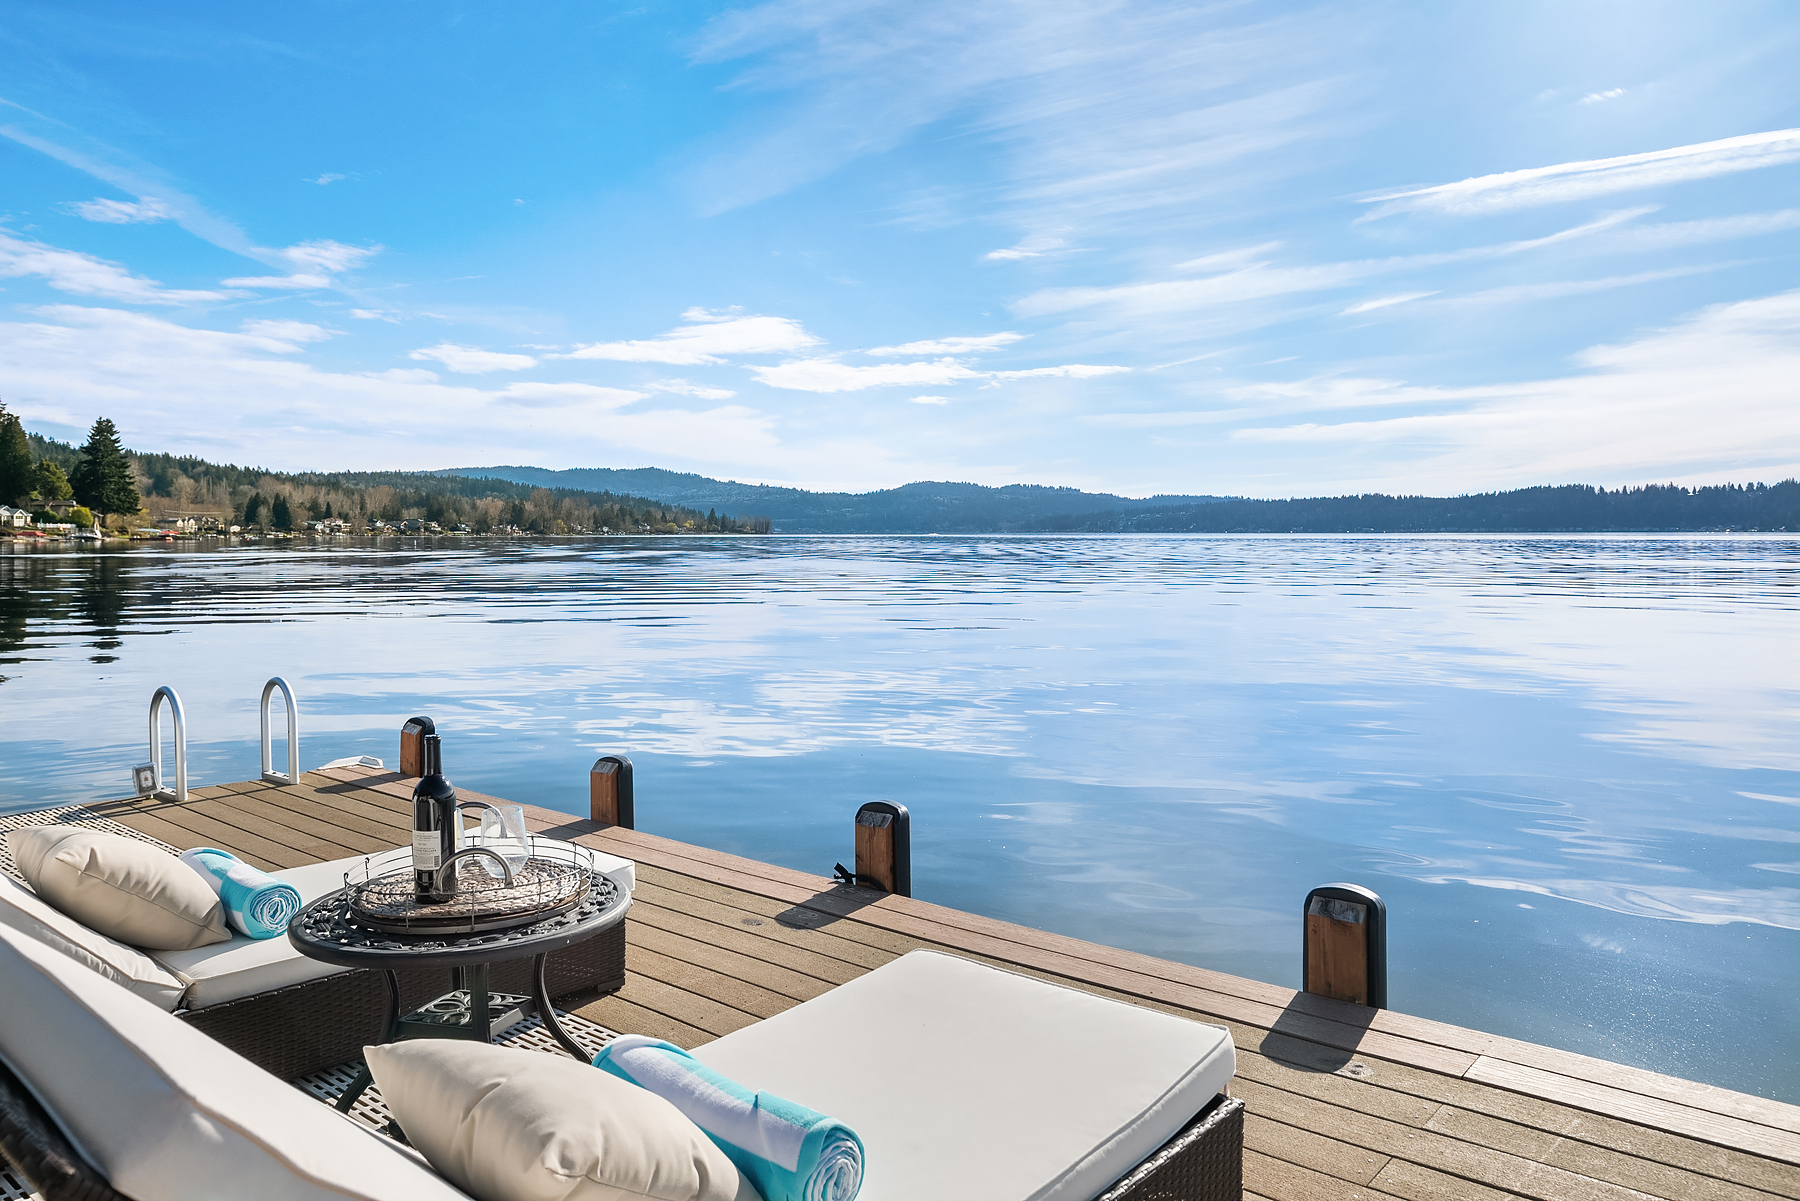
558	396
329	177
1382	302
84	275
470	360
1713	395
829	375
322	254
1029	248
121	212
1594	177
373	315
1603	97
293	334
1070	371
1556	289
928	400
706	339
220	393
1709	229
1257	279
278	281
948	346
681	387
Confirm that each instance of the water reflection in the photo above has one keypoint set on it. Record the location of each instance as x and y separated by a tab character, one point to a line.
1534	748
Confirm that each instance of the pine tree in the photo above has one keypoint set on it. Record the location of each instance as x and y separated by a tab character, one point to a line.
15	459
104	481
253	508
280	516
50	482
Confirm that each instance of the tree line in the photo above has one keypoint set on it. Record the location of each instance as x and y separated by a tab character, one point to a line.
1570	508
109	479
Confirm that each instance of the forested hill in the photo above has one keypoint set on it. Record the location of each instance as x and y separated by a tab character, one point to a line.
1571	508
921	508
252	496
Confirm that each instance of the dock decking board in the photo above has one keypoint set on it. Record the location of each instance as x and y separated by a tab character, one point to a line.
1342	1101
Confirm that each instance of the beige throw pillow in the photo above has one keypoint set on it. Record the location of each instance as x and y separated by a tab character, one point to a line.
25	911
125	889
504	1124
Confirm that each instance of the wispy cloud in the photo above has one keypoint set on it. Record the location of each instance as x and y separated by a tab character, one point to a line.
84	275
681	387
1713	394
120	212
323	254
1028	248
975	345
373	315
829	375
1260	279
1383	302
326	178
165	380
561	396
1088	115
707	338
470	360
928	400
290	282
1593	177
1603	97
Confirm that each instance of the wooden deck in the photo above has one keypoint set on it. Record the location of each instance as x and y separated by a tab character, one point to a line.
1342	1101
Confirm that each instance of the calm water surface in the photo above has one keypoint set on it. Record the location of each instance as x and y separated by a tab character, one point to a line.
1568	764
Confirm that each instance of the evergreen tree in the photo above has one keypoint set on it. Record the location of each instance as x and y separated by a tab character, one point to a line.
280	516
50	481
253	508
15	459
104	481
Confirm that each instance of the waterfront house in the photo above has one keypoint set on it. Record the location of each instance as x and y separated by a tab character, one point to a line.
14	519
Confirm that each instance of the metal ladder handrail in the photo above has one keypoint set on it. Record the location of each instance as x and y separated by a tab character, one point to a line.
292	775
180	792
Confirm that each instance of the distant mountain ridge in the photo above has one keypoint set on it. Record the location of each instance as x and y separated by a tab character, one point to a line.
921	508
929	507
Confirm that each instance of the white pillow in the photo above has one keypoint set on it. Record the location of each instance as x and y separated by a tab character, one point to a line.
513	1125
124	888
166	1113
25	911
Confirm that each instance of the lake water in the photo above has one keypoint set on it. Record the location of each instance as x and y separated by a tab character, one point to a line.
1569	765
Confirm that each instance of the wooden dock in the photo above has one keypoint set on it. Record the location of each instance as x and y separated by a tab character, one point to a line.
1342	1101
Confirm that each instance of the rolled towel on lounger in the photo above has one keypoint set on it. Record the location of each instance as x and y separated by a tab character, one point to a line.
256	903
789	1152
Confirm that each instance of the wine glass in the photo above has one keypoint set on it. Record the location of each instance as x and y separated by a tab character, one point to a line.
503	831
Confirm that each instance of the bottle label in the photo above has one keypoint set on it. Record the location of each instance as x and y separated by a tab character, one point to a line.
427	853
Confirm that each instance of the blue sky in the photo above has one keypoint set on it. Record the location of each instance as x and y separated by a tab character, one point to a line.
1256	249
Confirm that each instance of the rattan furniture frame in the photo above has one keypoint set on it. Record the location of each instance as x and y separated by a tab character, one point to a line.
36	1148
1203	1162
305	1027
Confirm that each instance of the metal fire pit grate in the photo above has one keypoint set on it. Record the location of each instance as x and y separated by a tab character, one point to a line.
541	888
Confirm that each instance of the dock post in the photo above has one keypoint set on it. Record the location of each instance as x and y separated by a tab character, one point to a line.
1344	951
884	847
412	745
610	798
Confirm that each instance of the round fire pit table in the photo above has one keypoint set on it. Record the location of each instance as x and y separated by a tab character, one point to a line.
333	930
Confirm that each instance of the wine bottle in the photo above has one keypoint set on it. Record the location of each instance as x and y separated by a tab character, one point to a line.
435	822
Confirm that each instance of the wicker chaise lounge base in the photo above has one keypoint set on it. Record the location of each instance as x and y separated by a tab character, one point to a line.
305	1027
1204	1162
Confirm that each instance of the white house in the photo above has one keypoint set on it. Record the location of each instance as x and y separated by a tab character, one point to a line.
12	518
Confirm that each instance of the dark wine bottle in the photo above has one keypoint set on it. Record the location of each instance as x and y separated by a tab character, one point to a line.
435	820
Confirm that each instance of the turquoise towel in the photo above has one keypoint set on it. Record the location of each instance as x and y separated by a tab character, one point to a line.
256	903
789	1152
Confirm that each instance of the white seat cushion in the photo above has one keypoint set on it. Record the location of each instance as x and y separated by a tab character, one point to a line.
170	1115
968	1083
244	967
26	912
